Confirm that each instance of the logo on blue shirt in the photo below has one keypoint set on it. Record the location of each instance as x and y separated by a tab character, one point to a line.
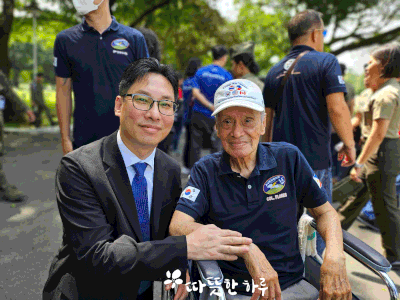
274	184
120	44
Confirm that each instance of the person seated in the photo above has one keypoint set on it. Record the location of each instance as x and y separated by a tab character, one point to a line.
255	188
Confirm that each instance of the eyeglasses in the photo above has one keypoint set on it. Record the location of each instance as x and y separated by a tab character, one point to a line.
145	103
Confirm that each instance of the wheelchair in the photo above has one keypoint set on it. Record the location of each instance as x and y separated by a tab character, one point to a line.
356	248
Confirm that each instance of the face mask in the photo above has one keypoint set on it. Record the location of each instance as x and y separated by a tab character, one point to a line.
85	6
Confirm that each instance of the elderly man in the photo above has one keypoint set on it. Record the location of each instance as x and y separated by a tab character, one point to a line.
254	188
116	197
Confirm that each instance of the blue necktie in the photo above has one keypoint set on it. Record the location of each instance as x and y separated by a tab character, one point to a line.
139	189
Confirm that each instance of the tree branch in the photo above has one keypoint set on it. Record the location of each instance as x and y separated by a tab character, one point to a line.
376	39
149	11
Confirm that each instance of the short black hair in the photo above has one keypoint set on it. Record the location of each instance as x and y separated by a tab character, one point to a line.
40	74
152	42
219	51
194	64
301	23
343	68
389	57
140	68
248	61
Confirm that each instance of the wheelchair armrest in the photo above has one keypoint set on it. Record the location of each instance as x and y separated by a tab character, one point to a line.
362	252
210	269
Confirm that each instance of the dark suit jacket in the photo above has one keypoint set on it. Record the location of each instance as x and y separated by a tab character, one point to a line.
103	256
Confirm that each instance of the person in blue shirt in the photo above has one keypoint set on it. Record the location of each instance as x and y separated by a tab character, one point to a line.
254	188
312	97
89	59
206	81
188	101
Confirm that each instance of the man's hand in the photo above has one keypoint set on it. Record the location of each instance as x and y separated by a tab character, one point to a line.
349	155
66	145
181	293
31	116
334	283
263	275
355	174
208	242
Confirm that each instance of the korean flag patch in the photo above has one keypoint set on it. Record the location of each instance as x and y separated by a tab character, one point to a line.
190	193
316	179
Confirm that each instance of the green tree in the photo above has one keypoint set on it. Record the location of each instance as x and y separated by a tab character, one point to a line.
266	30
353	23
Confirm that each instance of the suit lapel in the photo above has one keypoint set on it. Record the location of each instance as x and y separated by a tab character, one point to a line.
160	192
119	180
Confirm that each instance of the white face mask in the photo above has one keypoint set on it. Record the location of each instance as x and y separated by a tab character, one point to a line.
85	6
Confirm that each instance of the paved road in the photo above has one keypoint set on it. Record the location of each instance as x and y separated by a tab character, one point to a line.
30	233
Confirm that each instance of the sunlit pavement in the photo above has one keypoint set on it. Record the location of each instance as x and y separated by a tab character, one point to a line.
30	232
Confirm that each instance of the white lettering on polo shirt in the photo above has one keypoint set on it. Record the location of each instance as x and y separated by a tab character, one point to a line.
55	62
190	193
276	197
120	52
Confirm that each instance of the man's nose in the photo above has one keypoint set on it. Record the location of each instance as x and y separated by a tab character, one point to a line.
153	112
237	130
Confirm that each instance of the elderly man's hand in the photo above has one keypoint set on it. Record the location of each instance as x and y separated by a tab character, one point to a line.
334	283
264	276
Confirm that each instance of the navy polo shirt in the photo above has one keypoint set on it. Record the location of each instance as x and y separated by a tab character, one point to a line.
262	207
208	79
95	63
301	115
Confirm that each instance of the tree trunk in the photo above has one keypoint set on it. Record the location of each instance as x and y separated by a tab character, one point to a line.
6	20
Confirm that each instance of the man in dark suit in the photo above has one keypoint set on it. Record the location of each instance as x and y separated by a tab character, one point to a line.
116	197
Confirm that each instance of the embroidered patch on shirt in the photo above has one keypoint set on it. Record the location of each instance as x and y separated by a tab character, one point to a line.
190	193
341	80
274	184
55	62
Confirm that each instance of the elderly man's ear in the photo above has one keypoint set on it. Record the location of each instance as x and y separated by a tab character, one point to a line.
264	124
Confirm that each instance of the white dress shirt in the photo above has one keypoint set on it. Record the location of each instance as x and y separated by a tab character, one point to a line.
130	159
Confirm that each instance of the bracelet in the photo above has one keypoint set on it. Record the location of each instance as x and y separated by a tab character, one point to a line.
359	166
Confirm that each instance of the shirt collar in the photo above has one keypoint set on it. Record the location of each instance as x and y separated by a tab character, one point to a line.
130	158
265	161
114	25
301	48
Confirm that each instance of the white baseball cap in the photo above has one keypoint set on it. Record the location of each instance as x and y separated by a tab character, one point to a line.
238	92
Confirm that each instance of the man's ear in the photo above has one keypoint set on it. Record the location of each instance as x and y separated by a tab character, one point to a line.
217	130
263	124
314	36
118	106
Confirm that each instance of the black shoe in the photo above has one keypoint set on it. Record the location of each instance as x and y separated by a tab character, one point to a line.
371	224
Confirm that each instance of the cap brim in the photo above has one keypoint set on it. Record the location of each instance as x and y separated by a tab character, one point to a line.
239	102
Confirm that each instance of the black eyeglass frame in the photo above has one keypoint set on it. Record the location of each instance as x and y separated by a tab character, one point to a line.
174	104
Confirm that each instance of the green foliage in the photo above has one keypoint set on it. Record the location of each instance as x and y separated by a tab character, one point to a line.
267	30
188	28
357	81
